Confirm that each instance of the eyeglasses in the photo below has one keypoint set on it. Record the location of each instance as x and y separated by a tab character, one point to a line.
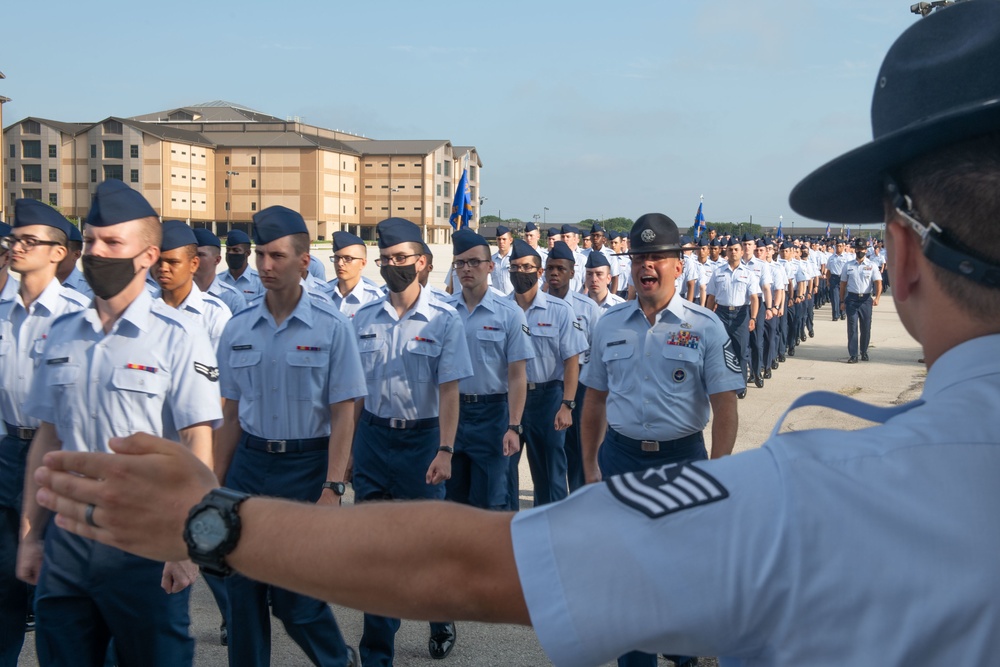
344	259
471	263
29	242
395	260
523	268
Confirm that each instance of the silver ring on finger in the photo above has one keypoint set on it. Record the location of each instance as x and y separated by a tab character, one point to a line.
88	515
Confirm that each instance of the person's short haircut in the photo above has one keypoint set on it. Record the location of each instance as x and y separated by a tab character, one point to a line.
57	235
958	188
300	243
151	231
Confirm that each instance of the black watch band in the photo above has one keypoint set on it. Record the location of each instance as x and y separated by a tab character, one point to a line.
212	530
338	488
446	449
516	428
569	404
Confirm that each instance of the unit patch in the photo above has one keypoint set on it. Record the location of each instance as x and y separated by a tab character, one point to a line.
671	488
679	375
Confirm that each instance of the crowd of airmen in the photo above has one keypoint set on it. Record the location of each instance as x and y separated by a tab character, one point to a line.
291	386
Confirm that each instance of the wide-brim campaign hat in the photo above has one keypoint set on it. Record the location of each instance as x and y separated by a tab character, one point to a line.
938	85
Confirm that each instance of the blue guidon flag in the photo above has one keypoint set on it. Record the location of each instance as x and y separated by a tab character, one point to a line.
666	489
461	208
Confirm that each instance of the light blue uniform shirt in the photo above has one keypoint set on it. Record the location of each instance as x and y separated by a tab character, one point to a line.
228	294
733	287
496	335
610	300
553	334
23	334
75	280
94	386
586	314
779	279
287	376
576	283
248	283
624	272
835	264
860	277
838	548
762	270
659	377
210	313
500	275
317	269
362	293
406	359
9	291
314	285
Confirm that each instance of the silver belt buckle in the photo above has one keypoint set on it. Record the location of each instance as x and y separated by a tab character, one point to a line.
531	386
650	446
25	433
733	307
276	446
397	423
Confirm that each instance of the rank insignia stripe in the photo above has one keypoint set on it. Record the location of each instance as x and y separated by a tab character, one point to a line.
577	326
525	329
732	363
210	372
665	490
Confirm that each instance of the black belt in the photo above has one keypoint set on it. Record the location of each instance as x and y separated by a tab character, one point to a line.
732	309
654	445
286	446
407	424
20	432
541	386
482	398
860	296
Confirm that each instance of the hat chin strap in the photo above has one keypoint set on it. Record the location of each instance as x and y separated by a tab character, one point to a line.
938	248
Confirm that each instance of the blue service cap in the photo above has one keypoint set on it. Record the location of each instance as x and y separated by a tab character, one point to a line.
502	229
426	250
710	229
717	242
747	238
554	231
33	212
74	234
703	242
597	259
465	240
274	222
114	203
236	237
612	235
786	245
206	237
393	231
686	240
521	249
176	234
561	251
4	229
343	239
569	229
596	228
529	227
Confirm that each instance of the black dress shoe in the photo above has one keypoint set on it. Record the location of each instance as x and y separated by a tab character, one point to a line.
781	360
441	643
803	338
791	351
774	367
742	393
812	334
759	382
852	360
767	373
864	356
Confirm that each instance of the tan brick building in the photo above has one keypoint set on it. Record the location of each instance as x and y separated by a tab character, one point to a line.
216	164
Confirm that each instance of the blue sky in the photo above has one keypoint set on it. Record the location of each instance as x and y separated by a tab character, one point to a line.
592	109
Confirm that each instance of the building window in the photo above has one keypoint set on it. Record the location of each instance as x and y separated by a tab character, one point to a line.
418	208
113	150
226	183
385	187
112	127
418	187
133	150
416	164
13	175
447	168
31	173
253	206
253	160
227	206
400	165
53	199
31	149
400	187
93	151
52	150
447	188
113	171
367	164
253	182
472	173
133	175
93	175
31	127
53	175
385	164
32	193
438	189
226	160
368	187
439	173
13	151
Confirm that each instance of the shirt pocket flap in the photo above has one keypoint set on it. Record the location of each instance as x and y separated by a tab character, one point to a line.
64	374
621	351
244	358
426	348
495	336
545	332
129	379
680	353
307	359
370	344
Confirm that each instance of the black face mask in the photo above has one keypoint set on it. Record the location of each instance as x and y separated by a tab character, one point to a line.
108	276
523	282
398	278
861	254
236	261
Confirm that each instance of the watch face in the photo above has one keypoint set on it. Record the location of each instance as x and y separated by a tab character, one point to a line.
208	529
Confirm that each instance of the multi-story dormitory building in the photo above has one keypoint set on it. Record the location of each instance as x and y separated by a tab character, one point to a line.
216	164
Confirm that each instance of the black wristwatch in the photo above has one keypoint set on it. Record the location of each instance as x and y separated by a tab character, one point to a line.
516	428
446	449
569	404
338	488
212	530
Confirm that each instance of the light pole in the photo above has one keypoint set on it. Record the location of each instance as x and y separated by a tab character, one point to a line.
545	210
229	198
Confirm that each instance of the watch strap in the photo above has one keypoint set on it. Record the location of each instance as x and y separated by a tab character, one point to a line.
227	502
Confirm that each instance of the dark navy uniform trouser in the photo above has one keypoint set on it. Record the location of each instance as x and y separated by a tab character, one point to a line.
308	621
617	456
771	338
14	601
479	468
546	448
573	447
835	296
758	351
391	464
737	324
859	315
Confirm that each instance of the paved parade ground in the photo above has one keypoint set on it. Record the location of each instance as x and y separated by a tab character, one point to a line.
892	376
